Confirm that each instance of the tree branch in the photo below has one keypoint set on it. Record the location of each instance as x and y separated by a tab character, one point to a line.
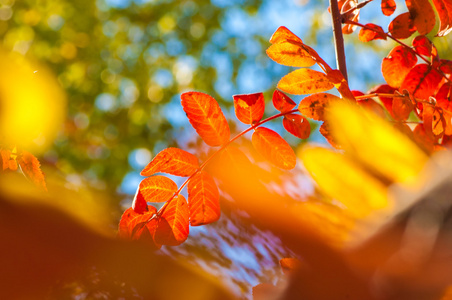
338	38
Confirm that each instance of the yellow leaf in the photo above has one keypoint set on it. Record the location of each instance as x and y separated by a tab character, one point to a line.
290	54
375	143
345	181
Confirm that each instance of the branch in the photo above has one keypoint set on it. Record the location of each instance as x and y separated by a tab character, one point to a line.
338	38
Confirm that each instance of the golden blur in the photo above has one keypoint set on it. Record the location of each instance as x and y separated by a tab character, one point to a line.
32	103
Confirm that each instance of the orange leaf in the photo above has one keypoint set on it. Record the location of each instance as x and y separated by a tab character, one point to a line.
444	96
371	105
206	117
353	15
422	81
31	167
305	81
423	15
325	130
172	228
8	160
434	122
274	148
283	34
291	54
444	9
372	32
402	26
424	140
337	79
314	106
401	108
249	108
297	125
234	157
157	188
203	199
388	7
397	65
448	119
289	265
173	161
137	226
282	102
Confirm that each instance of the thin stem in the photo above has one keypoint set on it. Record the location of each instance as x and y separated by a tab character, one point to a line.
359	6
204	164
338	38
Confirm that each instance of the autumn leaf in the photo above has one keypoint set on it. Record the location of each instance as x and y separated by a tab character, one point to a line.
365	137
423	15
434	122
345	181
297	125
274	148
266	291
371	32
444	9
424	46
249	108
387	101
402	27
31	168
422	139
282	102
8	160
388	7
173	227
206	117
157	188
314	106
234	157
173	161
444	96
325	130
139	204
337	79
345	6
136	226
291	54
304	81
422	81
397	65
283	34
203	199
371	105
401	108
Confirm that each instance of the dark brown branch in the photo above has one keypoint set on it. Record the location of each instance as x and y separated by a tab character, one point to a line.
338	38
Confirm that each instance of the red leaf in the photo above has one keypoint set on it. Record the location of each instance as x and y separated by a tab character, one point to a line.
401	108
203	199
139	204
8	160
305	81
388	7
282	102
172	228
372	32
206	117
387	101
297	125
31	167
137	226
422	81
423	140
157	188
423	15
371	105
314	106
283	34
249	108
444	9
445	66
274	148
402	26
423	46
397	65
173	161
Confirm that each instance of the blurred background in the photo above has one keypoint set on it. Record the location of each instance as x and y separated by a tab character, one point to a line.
123	65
